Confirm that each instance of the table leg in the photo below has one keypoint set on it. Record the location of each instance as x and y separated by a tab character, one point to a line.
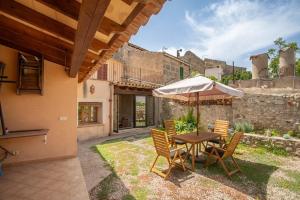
193	157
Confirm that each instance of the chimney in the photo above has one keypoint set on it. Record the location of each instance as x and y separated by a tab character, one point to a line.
287	62
259	66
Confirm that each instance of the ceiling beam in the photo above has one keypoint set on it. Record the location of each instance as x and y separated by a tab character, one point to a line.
90	16
115	40
29	45
71	9
45	41
35	18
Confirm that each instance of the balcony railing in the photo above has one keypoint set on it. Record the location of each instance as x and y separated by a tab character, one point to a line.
116	72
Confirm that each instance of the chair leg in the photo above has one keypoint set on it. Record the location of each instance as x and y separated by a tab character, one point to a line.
235	163
181	162
224	166
170	166
207	160
154	163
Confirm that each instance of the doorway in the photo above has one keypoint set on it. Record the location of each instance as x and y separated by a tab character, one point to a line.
140	111
132	111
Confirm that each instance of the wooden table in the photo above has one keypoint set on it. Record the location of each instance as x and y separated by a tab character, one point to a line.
194	139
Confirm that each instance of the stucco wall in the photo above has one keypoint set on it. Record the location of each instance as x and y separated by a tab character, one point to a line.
101	95
31	111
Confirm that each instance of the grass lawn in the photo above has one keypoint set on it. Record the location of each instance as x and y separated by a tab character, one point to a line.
267	174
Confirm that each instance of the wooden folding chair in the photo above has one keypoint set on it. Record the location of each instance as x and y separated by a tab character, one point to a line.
171	131
221	128
163	149
223	153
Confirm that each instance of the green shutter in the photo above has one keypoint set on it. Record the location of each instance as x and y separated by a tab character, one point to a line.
181	73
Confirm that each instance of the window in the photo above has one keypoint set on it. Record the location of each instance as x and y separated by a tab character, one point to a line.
89	113
181	73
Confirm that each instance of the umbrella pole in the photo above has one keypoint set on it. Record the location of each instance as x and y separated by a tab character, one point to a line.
197	113
197	120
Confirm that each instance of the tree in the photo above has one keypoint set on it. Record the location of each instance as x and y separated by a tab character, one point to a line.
298	67
274	56
238	75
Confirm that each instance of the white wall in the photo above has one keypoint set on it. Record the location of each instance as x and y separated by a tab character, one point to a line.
216	72
101	95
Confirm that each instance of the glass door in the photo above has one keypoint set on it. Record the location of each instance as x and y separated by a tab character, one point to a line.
150	110
140	111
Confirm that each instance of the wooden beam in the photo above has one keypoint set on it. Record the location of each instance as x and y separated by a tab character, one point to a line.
109	26
90	16
20	28
71	9
129	2
35	18
27	44
46	41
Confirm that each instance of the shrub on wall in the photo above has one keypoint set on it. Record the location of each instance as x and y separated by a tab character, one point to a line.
245	127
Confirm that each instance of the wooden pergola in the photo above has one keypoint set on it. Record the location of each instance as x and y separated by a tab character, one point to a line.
78	34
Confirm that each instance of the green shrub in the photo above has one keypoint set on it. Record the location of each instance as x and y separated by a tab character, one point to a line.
245	127
292	133
275	132
180	126
187	122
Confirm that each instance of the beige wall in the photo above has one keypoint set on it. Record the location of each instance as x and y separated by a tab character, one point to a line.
101	95
32	111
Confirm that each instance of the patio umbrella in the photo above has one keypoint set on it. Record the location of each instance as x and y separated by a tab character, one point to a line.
196	89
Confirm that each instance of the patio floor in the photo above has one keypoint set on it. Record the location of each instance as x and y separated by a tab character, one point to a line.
51	180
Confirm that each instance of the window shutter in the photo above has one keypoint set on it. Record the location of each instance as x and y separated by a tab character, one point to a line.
102	72
181	75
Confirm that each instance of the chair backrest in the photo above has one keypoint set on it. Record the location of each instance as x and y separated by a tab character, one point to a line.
221	128
233	144
161	142
170	128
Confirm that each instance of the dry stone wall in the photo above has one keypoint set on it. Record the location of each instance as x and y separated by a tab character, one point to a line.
292	146
268	111
264	111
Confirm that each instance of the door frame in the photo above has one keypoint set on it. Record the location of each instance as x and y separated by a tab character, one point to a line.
134	111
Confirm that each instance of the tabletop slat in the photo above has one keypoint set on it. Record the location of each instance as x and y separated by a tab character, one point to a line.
194	138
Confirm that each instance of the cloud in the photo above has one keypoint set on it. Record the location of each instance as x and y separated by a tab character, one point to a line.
233	28
173	50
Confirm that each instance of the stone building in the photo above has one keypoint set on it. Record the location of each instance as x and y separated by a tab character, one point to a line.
259	66
287	61
163	67
209	67
194	60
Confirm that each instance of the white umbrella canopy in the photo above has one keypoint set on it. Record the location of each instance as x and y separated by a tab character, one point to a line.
191	88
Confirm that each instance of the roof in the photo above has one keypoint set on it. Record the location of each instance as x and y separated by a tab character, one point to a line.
175	58
137	47
78	34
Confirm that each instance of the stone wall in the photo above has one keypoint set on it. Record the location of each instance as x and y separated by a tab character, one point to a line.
283	82
208	113
268	110
292	146
275	111
171	68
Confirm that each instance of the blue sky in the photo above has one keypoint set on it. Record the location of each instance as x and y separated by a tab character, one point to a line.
229	30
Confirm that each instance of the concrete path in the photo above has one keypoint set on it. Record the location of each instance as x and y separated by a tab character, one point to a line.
93	167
